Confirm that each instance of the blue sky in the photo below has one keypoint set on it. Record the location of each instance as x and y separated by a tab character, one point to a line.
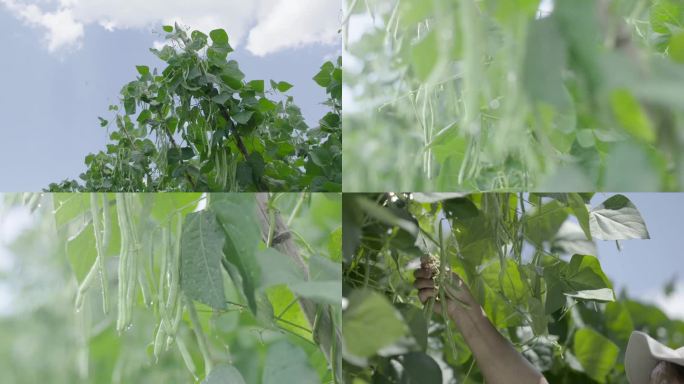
68	61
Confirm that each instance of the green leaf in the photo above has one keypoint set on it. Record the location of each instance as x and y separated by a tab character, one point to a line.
328	292
168	28
202	245
584	273
222	97
632	116
323	77
419	368
219	37
287	363
283	86
237	214
129	105
243	117
143	69
265	105
256	85
424	55
617	219
595	353
224	374
370	323
581	212
81	252
232	75
277	268
545	222
68	206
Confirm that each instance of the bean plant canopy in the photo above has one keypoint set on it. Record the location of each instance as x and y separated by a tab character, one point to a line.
199	125
530	261
514	95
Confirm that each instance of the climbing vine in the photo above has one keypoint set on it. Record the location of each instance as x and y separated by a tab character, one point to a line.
237	288
198	125
529	260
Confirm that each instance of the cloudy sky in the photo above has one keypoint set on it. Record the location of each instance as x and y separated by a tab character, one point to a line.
69	58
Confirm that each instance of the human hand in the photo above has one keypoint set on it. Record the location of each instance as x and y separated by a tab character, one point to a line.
457	293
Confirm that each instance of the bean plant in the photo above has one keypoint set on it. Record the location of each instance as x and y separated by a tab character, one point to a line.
530	261
507	95
197	125
217	288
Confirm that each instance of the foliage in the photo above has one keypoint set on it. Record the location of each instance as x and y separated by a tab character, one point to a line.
200	126
176	288
528	259
492	95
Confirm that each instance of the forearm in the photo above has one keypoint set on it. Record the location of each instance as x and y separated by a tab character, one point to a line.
498	360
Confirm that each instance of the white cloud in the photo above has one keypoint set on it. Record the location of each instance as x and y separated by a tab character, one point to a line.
294	23
267	25
62	30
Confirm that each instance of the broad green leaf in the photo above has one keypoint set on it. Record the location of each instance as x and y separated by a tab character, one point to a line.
287	363
370	323
323	77
243	117
167	28
328	292
584	273
617	219
284	86
219	37
143	69
419	368
222	97
224	374
416	321
166	205
201	253
545	222
277	268
237	214
265	105
581	212
631	116
595	353
256	85
643	175
424	55
288	312
69	206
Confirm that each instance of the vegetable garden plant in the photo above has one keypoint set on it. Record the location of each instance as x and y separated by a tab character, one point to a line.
217	288
529	260
198	125
496	95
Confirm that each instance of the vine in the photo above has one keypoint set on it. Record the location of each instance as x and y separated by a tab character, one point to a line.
197	286
198	125
528	260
